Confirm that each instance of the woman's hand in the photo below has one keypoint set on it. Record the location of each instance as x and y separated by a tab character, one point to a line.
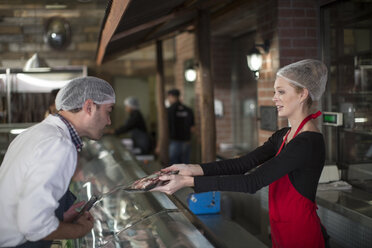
173	183
185	169
71	213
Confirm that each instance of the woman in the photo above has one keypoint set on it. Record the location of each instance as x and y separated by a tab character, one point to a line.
290	161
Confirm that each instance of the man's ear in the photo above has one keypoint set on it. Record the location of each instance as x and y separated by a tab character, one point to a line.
88	106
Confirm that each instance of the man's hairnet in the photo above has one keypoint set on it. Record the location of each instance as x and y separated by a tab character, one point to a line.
309	73
131	102
77	91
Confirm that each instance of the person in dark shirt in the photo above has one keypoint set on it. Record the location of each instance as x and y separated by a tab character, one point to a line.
52	104
290	162
180	123
136	125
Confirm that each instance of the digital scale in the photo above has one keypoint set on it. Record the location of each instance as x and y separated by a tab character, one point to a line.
330	173
332	119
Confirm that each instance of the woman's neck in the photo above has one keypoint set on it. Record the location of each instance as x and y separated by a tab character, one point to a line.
296	119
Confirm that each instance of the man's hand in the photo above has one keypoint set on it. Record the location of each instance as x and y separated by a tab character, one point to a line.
86	222
71	213
74	230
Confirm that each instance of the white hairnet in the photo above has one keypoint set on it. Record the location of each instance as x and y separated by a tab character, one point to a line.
309	73
131	102
78	90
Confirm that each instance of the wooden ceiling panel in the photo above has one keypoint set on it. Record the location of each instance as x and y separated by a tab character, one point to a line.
143	11
130	24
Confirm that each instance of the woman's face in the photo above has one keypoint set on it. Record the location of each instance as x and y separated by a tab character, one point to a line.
287	100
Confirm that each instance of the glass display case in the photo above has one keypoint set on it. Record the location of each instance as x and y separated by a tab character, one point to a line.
347	50
127	219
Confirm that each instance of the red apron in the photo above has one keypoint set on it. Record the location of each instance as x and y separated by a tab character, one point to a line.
293	218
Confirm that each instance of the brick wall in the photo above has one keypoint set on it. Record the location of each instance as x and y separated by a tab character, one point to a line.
185	50
293	29
299	31
23	28
221	76
267	30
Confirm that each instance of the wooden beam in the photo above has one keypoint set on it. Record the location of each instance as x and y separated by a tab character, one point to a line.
117	10
163	131
142	27
153	23
149	41
206	101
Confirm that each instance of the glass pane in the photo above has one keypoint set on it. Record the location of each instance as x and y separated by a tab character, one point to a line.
244	91
127	219
347	30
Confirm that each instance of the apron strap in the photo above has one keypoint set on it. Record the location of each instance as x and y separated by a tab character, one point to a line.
308	118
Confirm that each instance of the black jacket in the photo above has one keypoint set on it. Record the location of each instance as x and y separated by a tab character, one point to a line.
180	120
137	126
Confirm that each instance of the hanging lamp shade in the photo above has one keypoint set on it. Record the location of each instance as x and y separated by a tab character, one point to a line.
36	63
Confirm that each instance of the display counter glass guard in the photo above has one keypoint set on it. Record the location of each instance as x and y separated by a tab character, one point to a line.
127	219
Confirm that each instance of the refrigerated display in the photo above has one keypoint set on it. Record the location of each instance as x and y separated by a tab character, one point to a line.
127	218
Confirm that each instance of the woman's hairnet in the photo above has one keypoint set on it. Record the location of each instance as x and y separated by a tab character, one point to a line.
131	102
309	73
77	91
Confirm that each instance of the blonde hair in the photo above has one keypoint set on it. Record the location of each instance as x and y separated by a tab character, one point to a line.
308	101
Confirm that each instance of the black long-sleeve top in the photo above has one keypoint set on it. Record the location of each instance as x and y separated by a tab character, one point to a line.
302	159
135	121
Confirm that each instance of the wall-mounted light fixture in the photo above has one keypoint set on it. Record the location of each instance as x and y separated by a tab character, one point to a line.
190	71
254	57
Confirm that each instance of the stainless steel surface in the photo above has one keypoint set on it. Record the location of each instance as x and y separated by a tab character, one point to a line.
353	204
126	219
8	95
26	94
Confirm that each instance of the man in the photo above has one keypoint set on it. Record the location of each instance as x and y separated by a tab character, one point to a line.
35	205
136	125
181	122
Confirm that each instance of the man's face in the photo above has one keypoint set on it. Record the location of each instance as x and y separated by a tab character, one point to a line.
172	99
100	119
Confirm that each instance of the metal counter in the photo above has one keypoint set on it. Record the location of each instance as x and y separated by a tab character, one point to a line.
353	204
125	219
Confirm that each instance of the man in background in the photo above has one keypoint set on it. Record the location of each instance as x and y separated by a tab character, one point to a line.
181	123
